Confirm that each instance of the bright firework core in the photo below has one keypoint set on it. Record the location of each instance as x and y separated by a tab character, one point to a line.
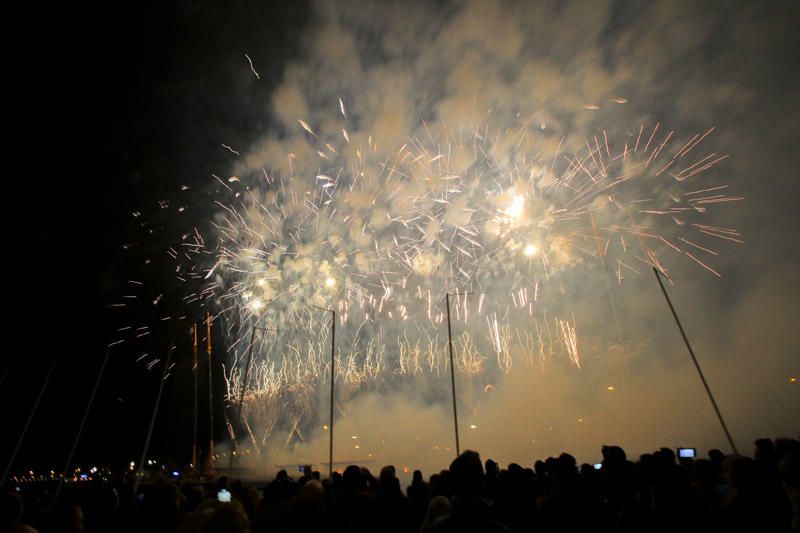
530	250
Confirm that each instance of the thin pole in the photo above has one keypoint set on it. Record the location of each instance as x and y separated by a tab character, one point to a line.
194	414
83	423
210	394
696	364
27	424
333	375
140	471
244	388
452	374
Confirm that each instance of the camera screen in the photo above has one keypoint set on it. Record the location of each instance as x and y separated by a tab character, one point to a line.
598	466
686	452
223	495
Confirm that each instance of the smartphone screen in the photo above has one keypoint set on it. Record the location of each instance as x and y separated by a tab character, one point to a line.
686	452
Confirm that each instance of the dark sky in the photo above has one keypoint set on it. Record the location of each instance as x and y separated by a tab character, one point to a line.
116	108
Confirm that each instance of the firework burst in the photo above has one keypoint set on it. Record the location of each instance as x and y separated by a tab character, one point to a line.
379	236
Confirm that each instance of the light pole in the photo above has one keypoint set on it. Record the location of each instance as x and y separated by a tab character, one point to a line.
452	369
27	423
244	381
83	423
333	377
140	470
696	364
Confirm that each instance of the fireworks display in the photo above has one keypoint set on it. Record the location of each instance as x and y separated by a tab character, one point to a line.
289	167
499	218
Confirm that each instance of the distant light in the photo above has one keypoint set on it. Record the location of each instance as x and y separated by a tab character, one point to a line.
132	463
330	282
530	250
261	282
354	437
325	427
473	426
356	446
175	473
580	420
792	380
84	476
610	387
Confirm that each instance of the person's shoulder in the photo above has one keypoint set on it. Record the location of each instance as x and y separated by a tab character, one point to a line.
22	528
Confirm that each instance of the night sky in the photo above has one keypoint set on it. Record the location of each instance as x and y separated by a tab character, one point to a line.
115	110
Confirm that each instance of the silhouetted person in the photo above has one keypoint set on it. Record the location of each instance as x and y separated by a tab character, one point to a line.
64	519
419	494
393	507
227	518
754	505
160	507
470	511
11	509
438	509
356	503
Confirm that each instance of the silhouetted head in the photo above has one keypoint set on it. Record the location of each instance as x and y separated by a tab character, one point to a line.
664	456
438	507
716	456
566	466
389	482
227	518
417	476
161	503
311	498
540	468
765	451
65	519
613	455
351	479
742	474
387	472
10	509
466	474
789	470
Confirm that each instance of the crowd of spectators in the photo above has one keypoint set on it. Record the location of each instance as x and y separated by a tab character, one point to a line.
658	492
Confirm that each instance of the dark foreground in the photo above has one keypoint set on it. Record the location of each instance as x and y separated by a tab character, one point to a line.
656	493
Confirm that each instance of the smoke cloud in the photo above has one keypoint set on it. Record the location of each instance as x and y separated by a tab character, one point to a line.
392	72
